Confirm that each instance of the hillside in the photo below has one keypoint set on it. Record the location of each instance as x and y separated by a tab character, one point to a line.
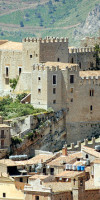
24	18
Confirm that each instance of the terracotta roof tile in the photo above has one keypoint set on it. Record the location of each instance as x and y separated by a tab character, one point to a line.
65	159
91	151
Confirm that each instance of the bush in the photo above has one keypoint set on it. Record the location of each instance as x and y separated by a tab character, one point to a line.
21	24
30	136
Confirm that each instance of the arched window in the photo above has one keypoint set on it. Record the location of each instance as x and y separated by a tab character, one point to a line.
58	59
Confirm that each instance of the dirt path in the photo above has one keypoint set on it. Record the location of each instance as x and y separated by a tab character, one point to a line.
23	8
14	27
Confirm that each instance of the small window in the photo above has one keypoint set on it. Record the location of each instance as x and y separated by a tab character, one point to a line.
71	90
80	65
30	56
81	182
37	198
54	79
86	156
7	71
91	108
39	91
4	194
72	60
58	59
20	69
39	78
91	92
71	100
2	133
54	90
36	55
21	179
71	78
54	101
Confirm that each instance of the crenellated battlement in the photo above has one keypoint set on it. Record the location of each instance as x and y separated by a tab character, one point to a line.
95	80
81	50
42	67
46	40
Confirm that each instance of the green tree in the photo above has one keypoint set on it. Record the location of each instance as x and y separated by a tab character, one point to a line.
13	83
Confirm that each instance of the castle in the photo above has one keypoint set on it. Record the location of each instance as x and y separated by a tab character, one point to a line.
18	58
57	76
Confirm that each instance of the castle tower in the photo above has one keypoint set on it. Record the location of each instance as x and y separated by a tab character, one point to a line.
44	50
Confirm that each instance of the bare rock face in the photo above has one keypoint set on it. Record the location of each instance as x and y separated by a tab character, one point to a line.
91	25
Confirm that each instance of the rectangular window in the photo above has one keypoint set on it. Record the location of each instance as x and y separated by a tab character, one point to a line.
54	101
54	90
71	78
20	70
39	78
91	93
36	197
54	79
4	194
91	108
7	71
2	133
30	56
71	100
21	179
71	90
39	91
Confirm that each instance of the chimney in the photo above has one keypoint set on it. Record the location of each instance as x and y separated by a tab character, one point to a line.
64	150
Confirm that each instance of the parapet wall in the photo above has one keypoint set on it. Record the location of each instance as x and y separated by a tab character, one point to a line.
46	40
43	67
82	50
86	143
95	80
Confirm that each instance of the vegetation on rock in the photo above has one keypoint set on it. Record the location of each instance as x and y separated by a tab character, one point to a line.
10	109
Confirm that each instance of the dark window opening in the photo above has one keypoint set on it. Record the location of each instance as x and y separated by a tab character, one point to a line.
4	194
80	65
39	91
30	56
86	156
37	198
72	60
39	78
20	70
91	93
6	71
52	171
36	55
58	59
21	179
71	100
2	133
91	108
71	78
54	79
81	182
54	90
44	171
54	101
74	181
